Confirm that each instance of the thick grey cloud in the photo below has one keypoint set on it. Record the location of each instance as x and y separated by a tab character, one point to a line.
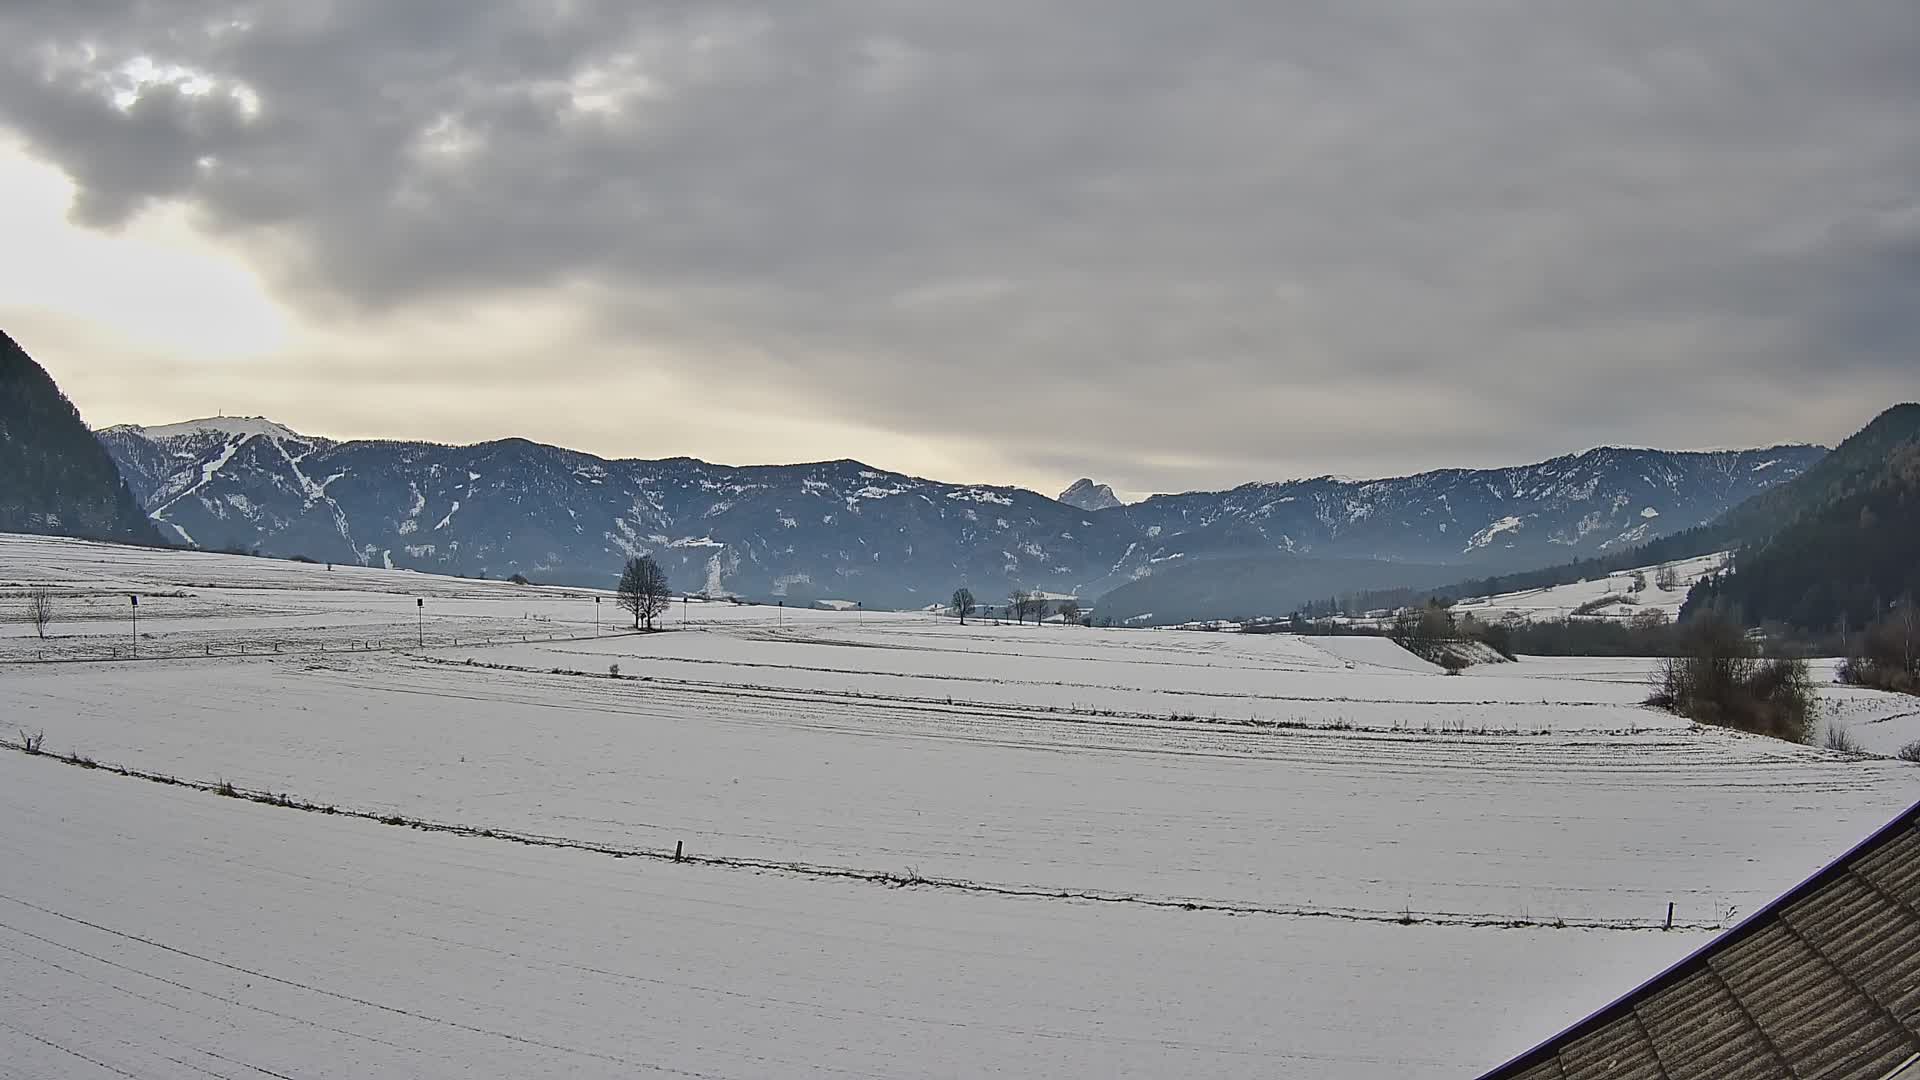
1165	245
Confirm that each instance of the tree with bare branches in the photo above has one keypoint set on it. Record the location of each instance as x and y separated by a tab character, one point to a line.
1019	602
644	591
40	611
963	604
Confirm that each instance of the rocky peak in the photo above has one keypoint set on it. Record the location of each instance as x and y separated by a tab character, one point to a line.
1087	495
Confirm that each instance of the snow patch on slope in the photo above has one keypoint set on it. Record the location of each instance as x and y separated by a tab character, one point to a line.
1487	535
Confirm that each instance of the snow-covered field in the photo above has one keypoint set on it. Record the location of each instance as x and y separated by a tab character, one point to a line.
917	849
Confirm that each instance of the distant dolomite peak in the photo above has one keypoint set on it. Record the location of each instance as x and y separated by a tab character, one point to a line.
1087	495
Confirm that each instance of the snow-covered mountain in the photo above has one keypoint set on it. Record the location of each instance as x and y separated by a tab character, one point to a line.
1084	494
1573	506
840	529
834	529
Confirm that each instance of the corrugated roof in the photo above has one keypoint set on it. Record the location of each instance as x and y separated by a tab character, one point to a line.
1822	983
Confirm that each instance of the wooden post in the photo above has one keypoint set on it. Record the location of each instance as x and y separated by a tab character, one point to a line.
1669	914
679	850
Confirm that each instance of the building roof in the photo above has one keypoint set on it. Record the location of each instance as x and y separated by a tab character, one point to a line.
1822	983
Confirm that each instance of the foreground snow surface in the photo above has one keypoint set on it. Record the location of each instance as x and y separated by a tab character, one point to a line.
160	932
1281	856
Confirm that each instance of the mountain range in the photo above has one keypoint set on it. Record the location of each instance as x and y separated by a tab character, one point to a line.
841	529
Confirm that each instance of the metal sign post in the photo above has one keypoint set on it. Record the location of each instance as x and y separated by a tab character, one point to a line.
136	625
420	608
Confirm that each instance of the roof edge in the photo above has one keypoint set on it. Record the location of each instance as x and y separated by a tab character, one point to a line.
1910	817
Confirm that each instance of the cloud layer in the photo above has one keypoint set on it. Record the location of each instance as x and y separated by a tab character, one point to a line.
1166	245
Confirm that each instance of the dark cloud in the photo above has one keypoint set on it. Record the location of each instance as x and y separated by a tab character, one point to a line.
1163	245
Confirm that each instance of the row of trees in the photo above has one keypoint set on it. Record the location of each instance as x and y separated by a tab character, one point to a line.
1021	605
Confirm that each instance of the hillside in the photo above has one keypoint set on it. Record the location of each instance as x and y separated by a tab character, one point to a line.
1838	545
54	476
1816	501
1619	594
842	529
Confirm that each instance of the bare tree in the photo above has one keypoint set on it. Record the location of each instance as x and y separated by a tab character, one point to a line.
963	604
1018	604
1070	612
40	611
1907	618
644	591
1667	579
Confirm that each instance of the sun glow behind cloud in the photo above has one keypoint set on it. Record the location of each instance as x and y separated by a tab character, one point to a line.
155	282
155	323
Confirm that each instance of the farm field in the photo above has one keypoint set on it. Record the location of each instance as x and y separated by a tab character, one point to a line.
914	848
158	932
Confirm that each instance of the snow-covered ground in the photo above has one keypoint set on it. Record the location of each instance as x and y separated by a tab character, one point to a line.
1564	601
163	933
1134	852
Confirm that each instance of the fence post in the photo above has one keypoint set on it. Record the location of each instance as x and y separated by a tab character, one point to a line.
679	850
1669	914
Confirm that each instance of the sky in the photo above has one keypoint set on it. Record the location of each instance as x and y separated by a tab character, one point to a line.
1167	246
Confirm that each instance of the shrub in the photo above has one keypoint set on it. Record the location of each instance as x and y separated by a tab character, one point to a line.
31	741
519	579
1600	602
1910	752
1886	655
1497	636
1717	679
613	670
1842	740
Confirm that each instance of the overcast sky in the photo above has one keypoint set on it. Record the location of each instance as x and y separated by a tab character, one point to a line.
1169	246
